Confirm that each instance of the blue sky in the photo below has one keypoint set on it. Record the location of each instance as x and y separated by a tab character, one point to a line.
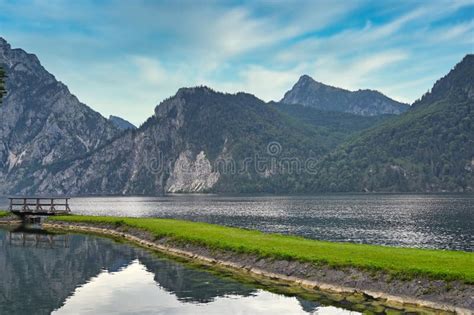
124	57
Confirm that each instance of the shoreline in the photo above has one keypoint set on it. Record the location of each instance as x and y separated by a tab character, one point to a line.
258	267
398	294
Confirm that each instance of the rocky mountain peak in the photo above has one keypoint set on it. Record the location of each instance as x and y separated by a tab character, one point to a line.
42	122
307	82
309	92
4	44
305	79
19	61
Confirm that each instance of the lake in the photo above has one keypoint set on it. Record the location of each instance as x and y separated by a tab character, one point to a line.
44	273
423	221
79	274
442	221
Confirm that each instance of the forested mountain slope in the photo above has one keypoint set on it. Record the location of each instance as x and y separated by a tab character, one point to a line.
338	125
429	148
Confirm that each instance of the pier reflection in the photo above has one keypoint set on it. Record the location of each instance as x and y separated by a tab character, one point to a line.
36	237
45	273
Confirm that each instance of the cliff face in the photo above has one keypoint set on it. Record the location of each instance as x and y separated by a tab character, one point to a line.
309	92
184	147
138	162
41	121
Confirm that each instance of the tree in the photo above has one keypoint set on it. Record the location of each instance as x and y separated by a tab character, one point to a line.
3	91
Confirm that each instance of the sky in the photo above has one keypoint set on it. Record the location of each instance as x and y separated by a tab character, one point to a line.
125	57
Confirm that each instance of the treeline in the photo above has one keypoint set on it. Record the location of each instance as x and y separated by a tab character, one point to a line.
426	149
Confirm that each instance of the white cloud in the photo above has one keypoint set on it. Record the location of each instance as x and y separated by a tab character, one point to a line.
266	84
116	290
357	73
126	57
150	70
269	84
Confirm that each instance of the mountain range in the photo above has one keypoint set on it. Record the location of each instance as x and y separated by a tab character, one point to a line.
317	138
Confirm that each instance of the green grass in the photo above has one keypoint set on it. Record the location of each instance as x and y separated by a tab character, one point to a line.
400	262
4	213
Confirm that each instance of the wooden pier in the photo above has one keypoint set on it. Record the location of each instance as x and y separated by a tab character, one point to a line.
39	206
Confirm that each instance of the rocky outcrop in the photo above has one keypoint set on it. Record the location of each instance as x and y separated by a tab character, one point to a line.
192	174
309	92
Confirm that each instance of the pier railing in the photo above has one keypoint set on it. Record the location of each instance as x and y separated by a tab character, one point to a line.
39	206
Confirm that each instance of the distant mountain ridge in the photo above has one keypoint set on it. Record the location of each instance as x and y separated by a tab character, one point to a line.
121	123
309	92
341	122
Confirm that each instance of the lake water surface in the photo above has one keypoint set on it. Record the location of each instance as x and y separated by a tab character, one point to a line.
425	221
77	274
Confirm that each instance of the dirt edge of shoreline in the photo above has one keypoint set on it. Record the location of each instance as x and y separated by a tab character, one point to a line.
439	295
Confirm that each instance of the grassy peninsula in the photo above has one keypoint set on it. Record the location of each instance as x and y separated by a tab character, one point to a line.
401	262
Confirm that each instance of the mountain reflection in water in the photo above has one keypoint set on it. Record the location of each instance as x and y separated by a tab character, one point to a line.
79	274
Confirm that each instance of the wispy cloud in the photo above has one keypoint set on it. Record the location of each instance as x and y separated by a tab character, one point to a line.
123	57
463	32
266	83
